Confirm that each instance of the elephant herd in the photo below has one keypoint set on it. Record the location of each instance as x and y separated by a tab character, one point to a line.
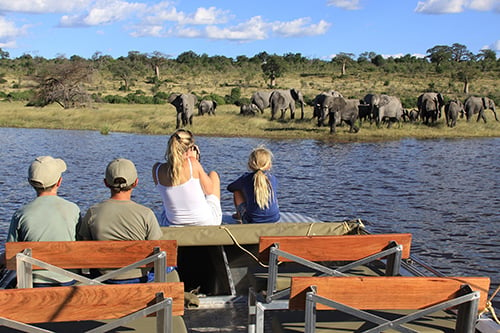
376	108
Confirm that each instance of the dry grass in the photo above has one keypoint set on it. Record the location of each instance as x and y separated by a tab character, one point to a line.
160	119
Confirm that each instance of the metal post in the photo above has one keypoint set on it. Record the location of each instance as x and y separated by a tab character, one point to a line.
467	312
160	265
310	311
272	273
394	260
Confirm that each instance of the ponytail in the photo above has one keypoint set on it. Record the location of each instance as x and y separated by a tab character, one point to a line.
178	145
261	159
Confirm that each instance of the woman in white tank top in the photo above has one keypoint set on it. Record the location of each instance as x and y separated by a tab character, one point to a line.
190	196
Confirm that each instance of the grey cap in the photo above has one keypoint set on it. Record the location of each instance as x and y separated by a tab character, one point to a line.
121	173
45	171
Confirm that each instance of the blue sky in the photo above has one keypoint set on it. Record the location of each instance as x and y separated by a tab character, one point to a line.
314	28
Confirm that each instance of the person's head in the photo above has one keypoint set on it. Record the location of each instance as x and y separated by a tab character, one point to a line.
260	160
45	173
179	144
121	175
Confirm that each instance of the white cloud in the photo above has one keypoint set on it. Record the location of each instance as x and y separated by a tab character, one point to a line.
43	6
495	46
103	12
9	30
253	29
455	6
163	11
344	4
299	27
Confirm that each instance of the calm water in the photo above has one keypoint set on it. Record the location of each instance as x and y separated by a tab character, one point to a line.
445	192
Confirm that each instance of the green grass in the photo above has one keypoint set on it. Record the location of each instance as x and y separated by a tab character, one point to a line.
160	119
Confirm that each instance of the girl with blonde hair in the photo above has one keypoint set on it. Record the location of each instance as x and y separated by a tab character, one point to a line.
254	192
190	196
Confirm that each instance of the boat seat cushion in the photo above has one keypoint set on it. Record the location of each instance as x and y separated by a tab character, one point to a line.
334	321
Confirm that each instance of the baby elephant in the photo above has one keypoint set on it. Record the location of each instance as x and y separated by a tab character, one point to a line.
207	106
248	109
451	111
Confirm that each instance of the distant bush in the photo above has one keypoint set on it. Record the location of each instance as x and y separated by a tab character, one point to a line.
115	99
21	95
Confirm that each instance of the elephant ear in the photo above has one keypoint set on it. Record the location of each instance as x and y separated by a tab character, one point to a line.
172	98
440	99
384	100
215	104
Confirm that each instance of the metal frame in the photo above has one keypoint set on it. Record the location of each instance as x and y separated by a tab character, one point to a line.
274	299
162	308
25	262
466	317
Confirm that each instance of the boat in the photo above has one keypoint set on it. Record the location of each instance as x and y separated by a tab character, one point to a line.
215	264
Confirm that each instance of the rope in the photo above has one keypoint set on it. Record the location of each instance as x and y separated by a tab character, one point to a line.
489	307
242	248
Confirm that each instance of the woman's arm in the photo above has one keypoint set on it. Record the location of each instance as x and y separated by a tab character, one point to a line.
199	172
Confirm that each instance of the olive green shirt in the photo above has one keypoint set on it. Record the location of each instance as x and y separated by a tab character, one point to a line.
120	220
47	218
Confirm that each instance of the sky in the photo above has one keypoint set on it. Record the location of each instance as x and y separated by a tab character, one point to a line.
314	28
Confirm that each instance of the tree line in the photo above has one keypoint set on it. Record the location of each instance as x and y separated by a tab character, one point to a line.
65	80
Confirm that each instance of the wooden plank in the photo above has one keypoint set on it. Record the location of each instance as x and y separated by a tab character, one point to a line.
329	248
94	302
91	254
383	293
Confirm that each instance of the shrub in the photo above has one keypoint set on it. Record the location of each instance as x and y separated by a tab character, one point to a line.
115	99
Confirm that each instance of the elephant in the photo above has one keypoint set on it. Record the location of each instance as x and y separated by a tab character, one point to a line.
184	104
372	100
281	100
410	115
248	109
207	106
261	99
477	105
451	111
389	108
339	110
318	101
429	106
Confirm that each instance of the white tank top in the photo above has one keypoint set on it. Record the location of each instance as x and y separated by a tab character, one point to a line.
185	204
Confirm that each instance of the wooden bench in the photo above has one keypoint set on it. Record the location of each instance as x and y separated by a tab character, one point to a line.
60	256
125	303
354	295
308	251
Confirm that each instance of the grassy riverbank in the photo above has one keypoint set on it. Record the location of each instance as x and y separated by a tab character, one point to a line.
160	119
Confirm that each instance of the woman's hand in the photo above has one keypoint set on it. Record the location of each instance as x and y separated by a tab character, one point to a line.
194	151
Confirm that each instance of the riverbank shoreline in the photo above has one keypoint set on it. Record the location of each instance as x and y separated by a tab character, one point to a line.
160	120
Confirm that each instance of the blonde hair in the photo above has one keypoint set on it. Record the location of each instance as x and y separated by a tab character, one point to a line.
259	161
178	144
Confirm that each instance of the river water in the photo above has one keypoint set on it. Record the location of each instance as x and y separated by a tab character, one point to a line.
445	192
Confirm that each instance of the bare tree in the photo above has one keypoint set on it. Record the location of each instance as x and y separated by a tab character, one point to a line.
63	83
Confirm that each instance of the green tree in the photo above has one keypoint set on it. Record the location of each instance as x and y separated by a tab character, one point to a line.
4	54
460	52
343	59
439	54
487	59
273	68
465	73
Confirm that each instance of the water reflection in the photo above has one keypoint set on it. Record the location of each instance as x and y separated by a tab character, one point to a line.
444	192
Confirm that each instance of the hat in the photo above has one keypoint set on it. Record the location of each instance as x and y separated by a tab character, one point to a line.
45	171
121	173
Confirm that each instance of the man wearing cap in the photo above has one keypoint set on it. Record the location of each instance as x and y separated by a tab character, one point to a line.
48	217
120	218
